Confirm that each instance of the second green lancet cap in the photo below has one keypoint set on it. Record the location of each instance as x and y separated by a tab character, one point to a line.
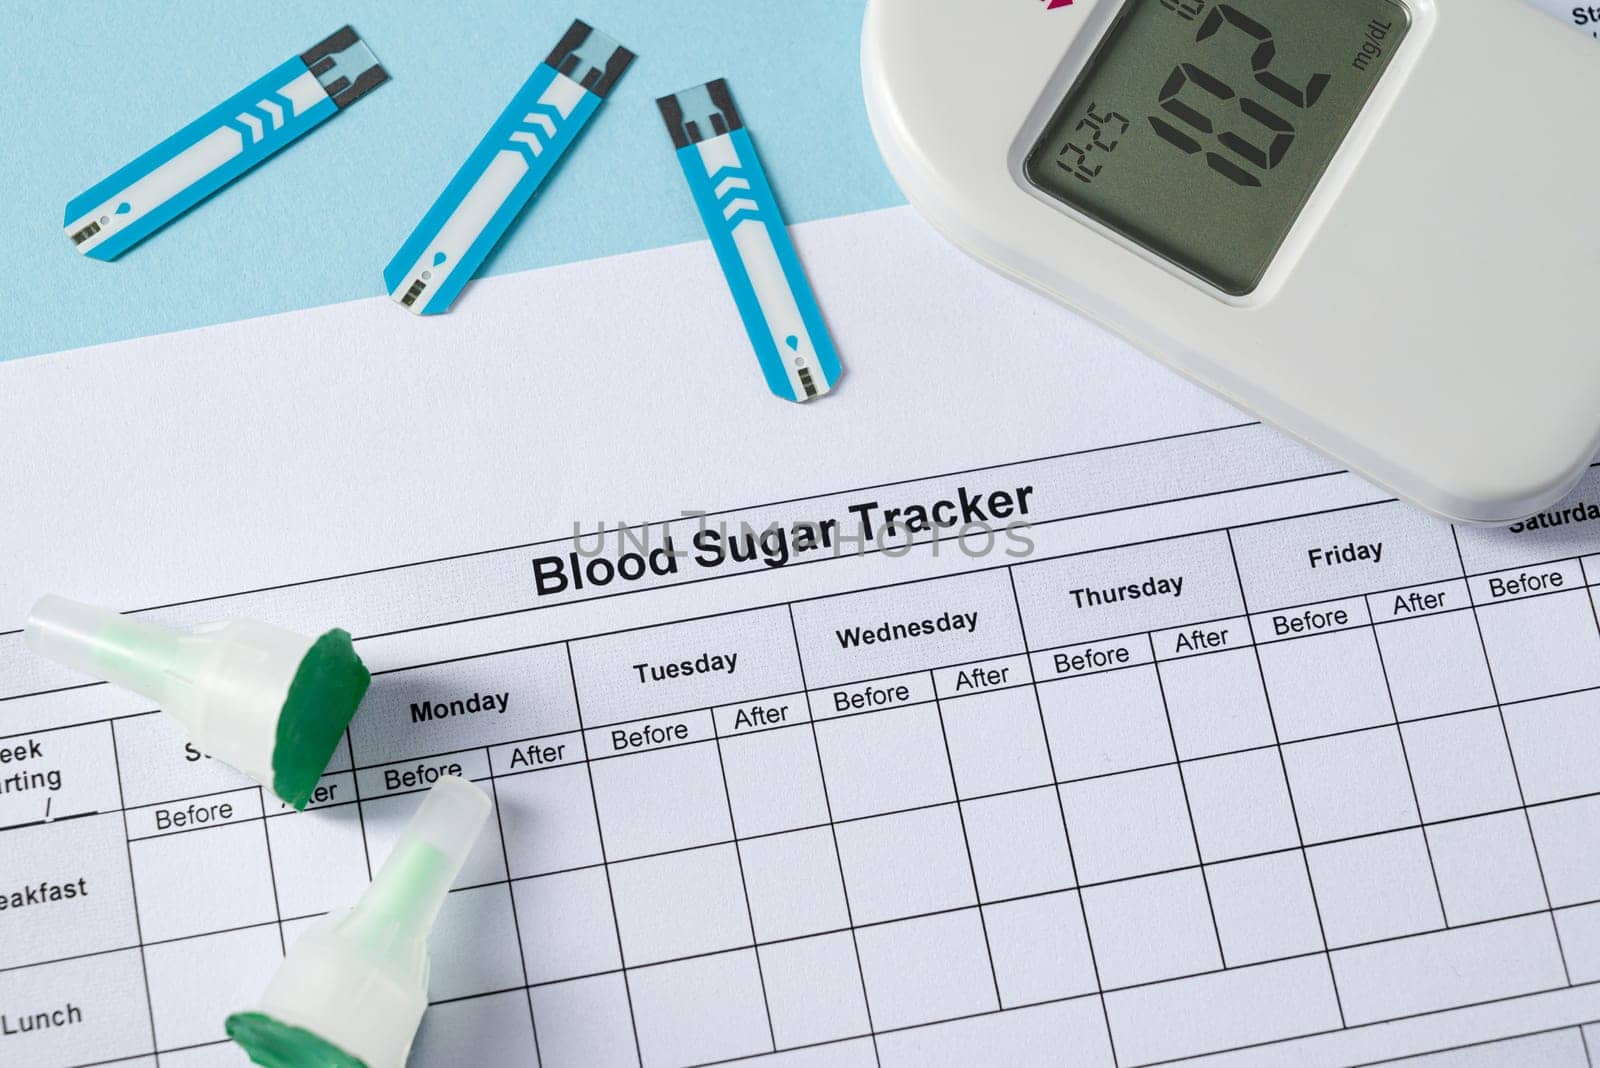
352	990
268	701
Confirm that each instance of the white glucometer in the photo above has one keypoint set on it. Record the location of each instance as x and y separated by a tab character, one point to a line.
1368	222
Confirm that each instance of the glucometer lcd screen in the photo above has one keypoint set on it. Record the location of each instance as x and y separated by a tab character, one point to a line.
1199	128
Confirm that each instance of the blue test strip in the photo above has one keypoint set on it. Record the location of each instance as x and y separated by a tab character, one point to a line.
265	116
751	241
504	171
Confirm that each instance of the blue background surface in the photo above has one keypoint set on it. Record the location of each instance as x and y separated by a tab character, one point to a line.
88	86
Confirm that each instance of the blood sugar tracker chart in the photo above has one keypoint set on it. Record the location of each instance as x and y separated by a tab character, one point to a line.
1270	769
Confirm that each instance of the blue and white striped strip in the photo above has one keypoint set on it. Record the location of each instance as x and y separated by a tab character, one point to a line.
140	198
752	242
501	175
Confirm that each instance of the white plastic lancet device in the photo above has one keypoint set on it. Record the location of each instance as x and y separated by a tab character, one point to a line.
1362	221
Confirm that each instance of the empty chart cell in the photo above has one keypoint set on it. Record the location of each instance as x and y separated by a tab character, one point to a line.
1568	836
930	968
996	742
196	983
1217	703
1461	765
1236	1008
1128	825
567	925
1265	908
194	882
813	989
1241	805
906	864
876	762
1580	941
1100	724
774	781
1446	969
705	1009
1040	948
1018	844
1487	868
668	799
1554	742
548	820
680	904
1552	1049
585	1022
794	884
1542	645
1028	1038
1375	888
1321	774
1155	928
485	1030
1435	664
319	859
849	1053
1325	684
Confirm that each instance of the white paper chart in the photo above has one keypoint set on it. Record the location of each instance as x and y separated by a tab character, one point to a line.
1238	760
1220	758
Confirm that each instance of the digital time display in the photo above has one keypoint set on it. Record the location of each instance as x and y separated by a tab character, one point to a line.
1199	128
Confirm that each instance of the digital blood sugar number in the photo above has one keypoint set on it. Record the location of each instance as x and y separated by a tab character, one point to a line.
1278	131
1199	129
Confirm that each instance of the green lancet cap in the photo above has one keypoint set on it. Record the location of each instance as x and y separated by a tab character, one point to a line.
268	701
275	1044
322	699
354	987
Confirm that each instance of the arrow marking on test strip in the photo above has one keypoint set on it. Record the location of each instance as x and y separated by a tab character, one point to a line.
530	138
548	124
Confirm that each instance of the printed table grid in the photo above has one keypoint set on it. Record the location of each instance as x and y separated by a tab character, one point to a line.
833	835
1521	796
961	908
1277	743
